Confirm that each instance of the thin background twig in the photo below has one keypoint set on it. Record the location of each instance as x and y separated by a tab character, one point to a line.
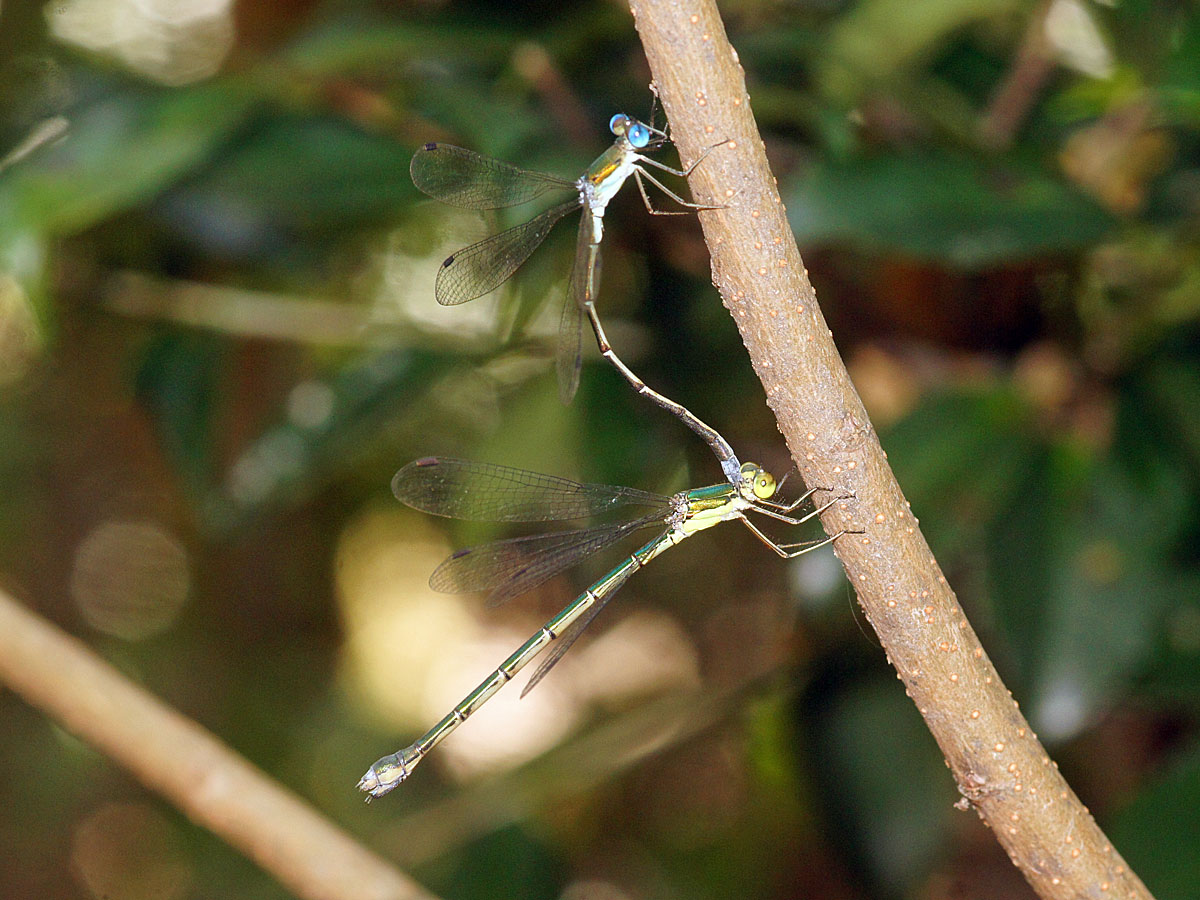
999	765
177	758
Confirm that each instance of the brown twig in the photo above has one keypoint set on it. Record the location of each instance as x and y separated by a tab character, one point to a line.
186	764
1001	768
1021	85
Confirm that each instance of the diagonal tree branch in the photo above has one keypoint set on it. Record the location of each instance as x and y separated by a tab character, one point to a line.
999	765
171	754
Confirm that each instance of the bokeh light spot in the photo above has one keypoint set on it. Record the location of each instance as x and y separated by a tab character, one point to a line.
128	850
310	404
172	42
413	653
130	579
642	654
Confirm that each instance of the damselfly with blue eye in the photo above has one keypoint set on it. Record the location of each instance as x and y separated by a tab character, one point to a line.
484	492
468	179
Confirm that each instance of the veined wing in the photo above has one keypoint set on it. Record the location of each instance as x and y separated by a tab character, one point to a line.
581	289
465	178
568	359
511	567
483	267
460	489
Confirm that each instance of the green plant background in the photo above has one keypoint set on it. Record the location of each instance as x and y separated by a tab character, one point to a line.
1019	313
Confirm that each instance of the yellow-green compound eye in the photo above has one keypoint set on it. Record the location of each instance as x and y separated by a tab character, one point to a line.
764	486
760	481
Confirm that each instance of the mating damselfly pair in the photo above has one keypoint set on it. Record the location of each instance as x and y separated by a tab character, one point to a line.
479	491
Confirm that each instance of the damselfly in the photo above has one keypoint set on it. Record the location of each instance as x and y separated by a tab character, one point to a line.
507	568
468	179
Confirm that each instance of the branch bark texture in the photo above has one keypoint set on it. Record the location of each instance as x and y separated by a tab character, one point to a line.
171	754
997	761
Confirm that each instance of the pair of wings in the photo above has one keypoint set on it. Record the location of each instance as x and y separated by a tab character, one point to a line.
505	569
467	179
474	491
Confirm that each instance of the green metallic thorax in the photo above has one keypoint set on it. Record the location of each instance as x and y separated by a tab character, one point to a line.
707	506
710	497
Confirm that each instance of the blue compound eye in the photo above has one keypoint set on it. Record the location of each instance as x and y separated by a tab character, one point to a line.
618	123
639	135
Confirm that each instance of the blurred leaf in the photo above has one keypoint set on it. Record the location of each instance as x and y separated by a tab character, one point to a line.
18	500
1081	564
1077	558
893	798
329	424
1182	89
961	457
1174	678
291	174
1148	35
955	209
877	38
508	856
120	150
1104	610
1019	551
364	45
1159	833
21	337
1171	388
178	381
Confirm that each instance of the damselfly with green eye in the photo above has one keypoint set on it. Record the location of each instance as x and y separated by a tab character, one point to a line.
507	568
468	179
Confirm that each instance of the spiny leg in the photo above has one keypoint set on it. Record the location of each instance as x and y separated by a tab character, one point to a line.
792	520
788	507
790	551
640	173
682	173
637	177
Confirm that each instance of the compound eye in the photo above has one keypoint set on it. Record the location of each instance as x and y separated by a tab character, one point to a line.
764	486
639	135
618	124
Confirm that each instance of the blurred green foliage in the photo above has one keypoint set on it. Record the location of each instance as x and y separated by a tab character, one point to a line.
216	314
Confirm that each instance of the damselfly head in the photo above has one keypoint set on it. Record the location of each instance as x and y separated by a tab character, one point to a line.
757	481
631	129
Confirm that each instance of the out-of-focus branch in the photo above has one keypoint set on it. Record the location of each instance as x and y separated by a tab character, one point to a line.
1021	85
1001	768
171	754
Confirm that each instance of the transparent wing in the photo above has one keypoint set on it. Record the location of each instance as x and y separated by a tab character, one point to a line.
509	568
571	635
469	179
585	277
569	357
483	267
460	489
